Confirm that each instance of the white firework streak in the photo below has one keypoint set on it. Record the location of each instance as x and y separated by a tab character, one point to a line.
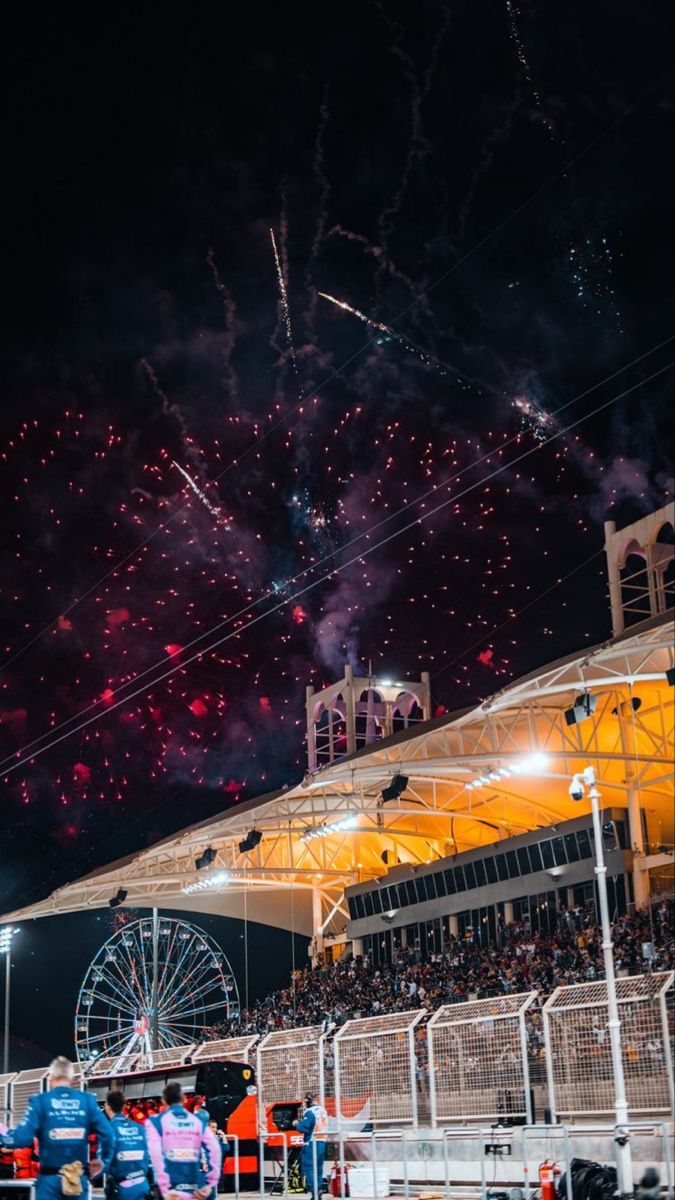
429	360
284	301
197	490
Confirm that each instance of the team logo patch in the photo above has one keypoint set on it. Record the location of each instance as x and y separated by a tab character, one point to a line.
72	1134
179	1155
129	1155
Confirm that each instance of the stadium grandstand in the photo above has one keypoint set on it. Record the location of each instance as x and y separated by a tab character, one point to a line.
443	871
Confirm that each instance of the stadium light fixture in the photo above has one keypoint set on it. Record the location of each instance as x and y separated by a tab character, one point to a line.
206	858
7	935
118	899
531	764
582	782
253	838
209	882
396	788
322	831
584	706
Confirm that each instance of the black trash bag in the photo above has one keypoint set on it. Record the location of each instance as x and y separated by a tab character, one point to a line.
590	1181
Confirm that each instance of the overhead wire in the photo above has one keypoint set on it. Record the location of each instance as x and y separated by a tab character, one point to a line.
20	757
294	579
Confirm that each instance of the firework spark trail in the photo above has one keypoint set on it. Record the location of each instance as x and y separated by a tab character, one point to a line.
230	311
521	56
283	299
429	360
197	490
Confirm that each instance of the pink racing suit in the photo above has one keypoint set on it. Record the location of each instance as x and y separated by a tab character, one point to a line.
175	1140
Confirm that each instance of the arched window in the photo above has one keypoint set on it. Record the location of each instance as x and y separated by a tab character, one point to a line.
330	734
407	711
368	721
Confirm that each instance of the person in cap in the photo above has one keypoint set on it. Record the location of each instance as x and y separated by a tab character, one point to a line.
313	1126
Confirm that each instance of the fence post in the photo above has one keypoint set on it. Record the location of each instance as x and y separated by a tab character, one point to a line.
529	1115
667	1053
413	1073
548	1050
432	1076
373	1142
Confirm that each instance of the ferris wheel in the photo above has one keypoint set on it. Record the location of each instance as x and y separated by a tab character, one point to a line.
167	964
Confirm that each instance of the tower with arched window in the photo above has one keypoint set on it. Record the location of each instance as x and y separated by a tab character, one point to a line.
641	567
359	711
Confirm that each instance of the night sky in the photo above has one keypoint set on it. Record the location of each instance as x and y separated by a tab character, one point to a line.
187	427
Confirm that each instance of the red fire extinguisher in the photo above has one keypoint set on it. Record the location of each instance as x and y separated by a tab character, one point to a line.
549	1178
336	1180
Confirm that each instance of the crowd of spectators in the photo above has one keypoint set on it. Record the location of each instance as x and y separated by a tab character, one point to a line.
462	970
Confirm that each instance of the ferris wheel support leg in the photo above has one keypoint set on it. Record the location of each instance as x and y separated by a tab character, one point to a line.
154	1020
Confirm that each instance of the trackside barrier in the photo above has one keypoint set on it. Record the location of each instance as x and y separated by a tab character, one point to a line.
578	1052
566	1135
415	1148
651	1126
375	1068
290	1062
450	1135
234	1137
478	1061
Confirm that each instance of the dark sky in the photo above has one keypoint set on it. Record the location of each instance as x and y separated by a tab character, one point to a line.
491	185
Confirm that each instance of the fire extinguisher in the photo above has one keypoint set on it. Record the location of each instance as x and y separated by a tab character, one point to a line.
336	1180
549	1178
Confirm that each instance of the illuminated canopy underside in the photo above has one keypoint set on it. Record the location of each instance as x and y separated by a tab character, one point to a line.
298	884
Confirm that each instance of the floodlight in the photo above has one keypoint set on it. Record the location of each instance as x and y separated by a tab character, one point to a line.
253	838
583	707
119	898
397	786
205	859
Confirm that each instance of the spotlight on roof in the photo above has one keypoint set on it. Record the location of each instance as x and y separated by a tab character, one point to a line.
205	859
397	786
119	898
670	676
583	707
252	839
388	917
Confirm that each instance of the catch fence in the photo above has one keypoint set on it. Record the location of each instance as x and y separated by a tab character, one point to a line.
290	1062
578	1051
478	1060
376	1069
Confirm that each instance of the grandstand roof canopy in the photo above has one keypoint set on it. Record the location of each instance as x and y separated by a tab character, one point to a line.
295	879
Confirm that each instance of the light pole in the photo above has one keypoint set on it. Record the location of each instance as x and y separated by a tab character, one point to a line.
6	934
586	779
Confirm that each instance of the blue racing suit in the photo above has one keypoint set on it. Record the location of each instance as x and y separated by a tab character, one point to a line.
127	1163
313	1126
62	1121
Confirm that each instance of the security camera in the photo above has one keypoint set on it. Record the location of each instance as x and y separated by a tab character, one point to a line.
589	776
576	788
